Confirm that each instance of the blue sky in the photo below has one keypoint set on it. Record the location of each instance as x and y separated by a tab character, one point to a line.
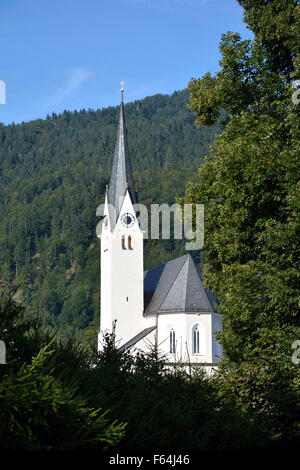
72	54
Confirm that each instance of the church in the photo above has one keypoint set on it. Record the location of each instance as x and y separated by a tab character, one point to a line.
166	306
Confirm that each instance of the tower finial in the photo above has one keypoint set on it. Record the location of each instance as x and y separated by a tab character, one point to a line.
122	90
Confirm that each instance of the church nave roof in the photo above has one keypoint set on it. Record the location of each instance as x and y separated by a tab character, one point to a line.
176	286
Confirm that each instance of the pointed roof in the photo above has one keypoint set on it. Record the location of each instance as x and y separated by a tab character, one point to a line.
176	286
121	177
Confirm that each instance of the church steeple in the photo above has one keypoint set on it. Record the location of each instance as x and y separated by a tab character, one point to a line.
122	272
121	176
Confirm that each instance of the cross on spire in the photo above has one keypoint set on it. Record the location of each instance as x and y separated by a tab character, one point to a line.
122	89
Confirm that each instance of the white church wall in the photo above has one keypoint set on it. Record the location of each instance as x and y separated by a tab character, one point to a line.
106	274
204	323
105	291
147	343
122	278
182	324
166	323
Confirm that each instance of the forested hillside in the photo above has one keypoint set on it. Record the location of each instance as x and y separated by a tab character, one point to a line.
53	174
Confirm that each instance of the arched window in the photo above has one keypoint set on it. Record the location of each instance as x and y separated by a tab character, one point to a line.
199	339
195	340
129	242
172	342
123	242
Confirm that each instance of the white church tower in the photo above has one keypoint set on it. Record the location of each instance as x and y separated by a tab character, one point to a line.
166	305
122	270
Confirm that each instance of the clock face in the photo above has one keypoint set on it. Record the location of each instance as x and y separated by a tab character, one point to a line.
127	220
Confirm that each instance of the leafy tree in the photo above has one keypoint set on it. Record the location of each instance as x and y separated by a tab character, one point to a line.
249	186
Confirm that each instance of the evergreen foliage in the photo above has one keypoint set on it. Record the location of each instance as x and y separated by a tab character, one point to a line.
41	408
53	395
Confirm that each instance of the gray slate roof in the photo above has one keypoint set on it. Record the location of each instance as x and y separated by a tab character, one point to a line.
176	286
121	175
137	337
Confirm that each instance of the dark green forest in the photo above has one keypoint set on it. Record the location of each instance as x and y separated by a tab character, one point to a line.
53	175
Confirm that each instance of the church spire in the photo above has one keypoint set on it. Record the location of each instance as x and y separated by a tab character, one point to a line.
121	176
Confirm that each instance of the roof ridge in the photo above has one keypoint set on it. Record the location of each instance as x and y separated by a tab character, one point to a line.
206	292
181	268
188	259
162	264
168	291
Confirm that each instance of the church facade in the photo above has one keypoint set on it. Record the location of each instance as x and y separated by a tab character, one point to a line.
167	305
